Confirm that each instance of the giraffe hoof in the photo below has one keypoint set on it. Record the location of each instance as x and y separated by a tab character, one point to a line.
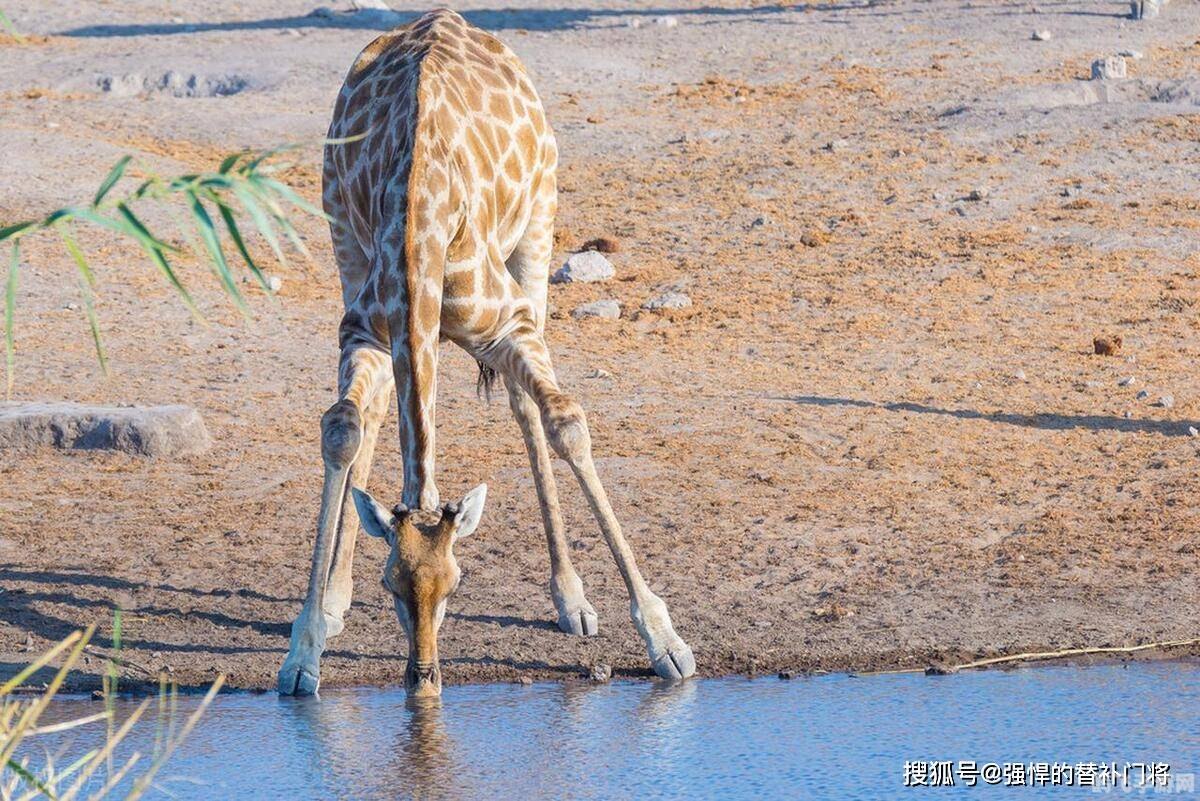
299	680
580	621
676	663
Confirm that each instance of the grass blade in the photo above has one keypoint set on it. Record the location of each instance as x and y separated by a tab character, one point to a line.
12	231
23	772
114	175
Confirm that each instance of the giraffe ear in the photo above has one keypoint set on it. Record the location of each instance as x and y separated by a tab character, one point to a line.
470	510
375	518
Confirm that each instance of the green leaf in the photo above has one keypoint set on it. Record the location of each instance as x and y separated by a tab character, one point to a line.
208	233
7	25
14	231
261	220
229	161
86	282
236	236
114	175
154	249
10	308
19	769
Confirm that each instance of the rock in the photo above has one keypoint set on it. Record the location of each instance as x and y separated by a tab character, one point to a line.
177	84
1019	375
979	193
605	309
598	373
322	12
1165	401
274	283
1128	415
1193	432
670	299
941	670
786	675
1127	381
525	680
666	21
1143	395
1136	55
1111	68
600	673
1042	36
1110	346
143	430
586	267
603	244
369	5
836	145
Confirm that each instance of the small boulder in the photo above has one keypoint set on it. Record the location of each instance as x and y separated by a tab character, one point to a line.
668	300
142	430
586	267
1107	346
1042	36
1166	401
604	309
1111	68
600	673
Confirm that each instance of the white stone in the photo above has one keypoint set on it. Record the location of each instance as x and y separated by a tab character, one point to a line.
274	283
369	5
666	22
586	267
605	309
1136	55
668	300
1109	69
1042	36
144	430
1127	381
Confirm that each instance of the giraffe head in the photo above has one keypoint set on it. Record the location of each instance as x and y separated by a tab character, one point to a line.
421	574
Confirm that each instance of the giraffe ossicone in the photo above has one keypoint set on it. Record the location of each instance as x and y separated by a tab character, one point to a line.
442	228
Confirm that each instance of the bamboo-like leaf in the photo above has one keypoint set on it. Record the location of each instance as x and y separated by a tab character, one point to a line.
12	231
86	282
153	249
229	161
114	175
287	192
264	194
212	242
261	221
10	308
236	236
24	773
7	25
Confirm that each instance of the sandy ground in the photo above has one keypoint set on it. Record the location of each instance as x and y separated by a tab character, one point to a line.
878	439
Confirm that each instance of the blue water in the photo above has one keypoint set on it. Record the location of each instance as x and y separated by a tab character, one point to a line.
836	737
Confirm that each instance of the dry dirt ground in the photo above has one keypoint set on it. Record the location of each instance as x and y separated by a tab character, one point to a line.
879	438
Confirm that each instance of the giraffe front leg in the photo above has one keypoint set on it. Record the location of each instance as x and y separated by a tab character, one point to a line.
575	614
344	431
523	356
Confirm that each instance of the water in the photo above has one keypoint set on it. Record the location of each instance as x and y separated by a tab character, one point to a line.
827	737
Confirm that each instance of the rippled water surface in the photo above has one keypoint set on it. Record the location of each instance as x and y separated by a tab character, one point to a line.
826	737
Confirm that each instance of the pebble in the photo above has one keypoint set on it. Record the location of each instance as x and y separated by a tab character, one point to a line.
525	680
1019	375
1042	36
979	193
1193	432
598	373
786	675
369	5
1109	69
587	266
668	300
274	283
1136	55
1145	9
836	145
1128	415
322	12
600	673
1127	381
604	309
1143	395
1166	401
666	22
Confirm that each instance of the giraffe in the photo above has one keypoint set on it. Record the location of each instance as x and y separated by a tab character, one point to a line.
439	178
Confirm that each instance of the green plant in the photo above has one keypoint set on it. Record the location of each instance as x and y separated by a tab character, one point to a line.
245	184
19	726
7	25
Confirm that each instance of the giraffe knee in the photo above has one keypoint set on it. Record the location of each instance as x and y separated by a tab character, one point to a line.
341	434
566	428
